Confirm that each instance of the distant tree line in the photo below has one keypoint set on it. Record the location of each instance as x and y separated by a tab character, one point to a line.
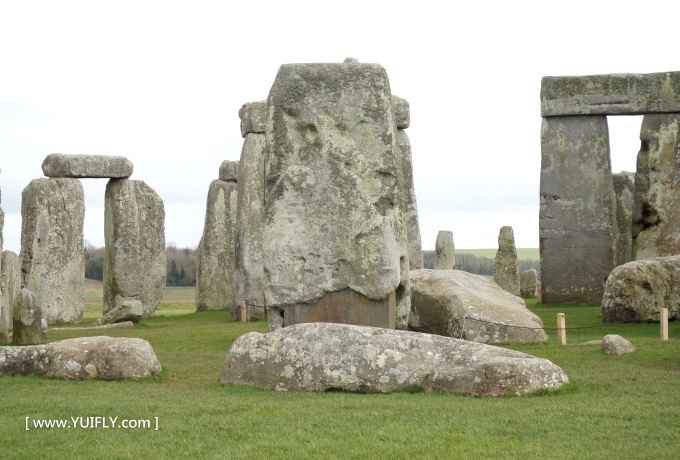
181	264
479	265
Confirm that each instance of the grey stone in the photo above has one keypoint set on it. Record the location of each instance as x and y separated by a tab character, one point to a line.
612	94
253	117
333	203
10	280
415	249
29	323
527	283
134	231
121	325
576	216
249	227
5	314
52	257
624	188
614	344
103	358
402	113
124	310
638	290
215	271
81	166
506	270
444	251
326	356
229	171
656	221
458	304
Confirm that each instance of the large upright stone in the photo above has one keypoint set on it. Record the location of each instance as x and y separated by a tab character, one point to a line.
95	166
528	280
215	281
5	316
10	279
249	225
576	217
444	251
656	216
52	258
415	248
134	231
333	209
506	270
29	322
624	188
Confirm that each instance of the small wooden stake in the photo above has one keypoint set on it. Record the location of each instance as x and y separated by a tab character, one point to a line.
243	311
664	324
561	329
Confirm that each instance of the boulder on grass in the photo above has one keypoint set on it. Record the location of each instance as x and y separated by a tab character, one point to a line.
614	344
124	310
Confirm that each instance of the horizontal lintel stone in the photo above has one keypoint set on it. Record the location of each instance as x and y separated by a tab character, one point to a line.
253	117
84	166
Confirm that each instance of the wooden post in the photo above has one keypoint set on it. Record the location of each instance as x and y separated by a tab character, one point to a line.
664	324
243	311
561	329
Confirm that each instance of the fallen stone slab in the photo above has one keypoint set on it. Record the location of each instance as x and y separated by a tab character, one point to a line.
104	358
614	344
342	357
123	325
123	311
86	166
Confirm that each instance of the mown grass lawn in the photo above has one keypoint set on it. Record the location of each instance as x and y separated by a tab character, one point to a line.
615	407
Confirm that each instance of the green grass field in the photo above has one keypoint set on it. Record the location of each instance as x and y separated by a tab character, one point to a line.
614	407
522	253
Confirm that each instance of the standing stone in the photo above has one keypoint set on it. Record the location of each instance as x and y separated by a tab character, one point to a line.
249	225
402	112
624	188
656	220
52	257
576	217
134	231
10	279
95	166
29	322
215	281
415	249
334	234
444	251
5	316
528	283
506	270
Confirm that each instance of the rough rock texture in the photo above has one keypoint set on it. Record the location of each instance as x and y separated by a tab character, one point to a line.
638	290
506	270
624	189
29	322
415	248
332	357
96	166
134	231
103	358
253	117
614	344
444	251
656	221
215	271
124	310
624	94
402	112
334	215
229	171
5	314
10	280
471	307
527	283
52	258
249	225
576	216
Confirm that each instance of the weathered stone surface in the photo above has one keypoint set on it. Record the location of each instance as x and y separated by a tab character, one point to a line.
215	271
134	230
334	198
614	344
656	220
576	217
95	166
402	112
326	356
415	248
527	283
613	94
52	258
444	251
229	171
10	280
249	227
29	322
103	358
638	290
253	117
506	270
471	307
624	188
124	310
5	315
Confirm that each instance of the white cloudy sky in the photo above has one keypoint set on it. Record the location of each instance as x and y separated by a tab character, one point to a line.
161	83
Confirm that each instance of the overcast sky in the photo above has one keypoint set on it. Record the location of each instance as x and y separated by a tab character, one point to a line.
162	82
